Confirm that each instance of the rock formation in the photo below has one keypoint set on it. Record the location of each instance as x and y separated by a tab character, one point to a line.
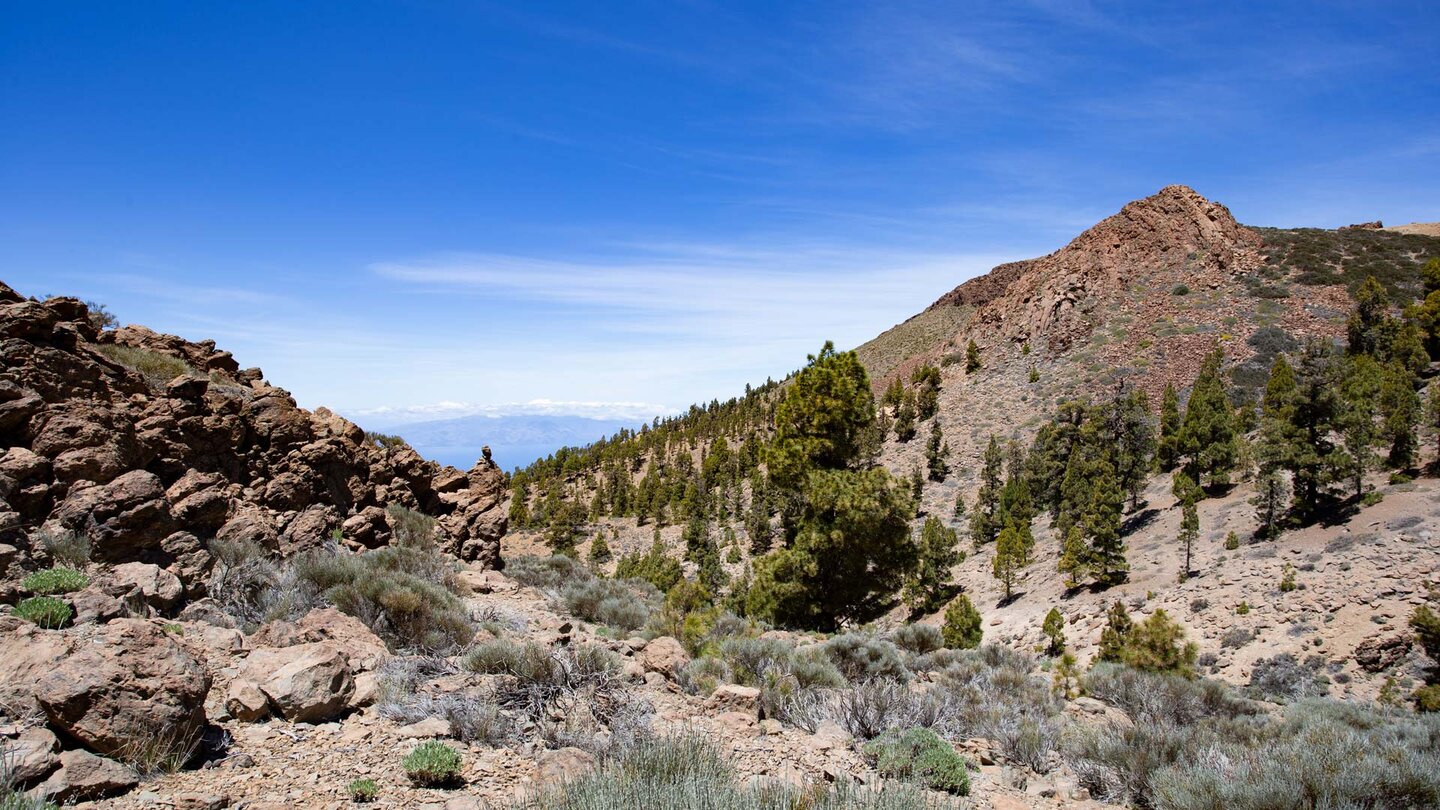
150	446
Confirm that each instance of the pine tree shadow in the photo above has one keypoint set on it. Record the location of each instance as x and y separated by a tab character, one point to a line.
1006	601
1218	490
1138	521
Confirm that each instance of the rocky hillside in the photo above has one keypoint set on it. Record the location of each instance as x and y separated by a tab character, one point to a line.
148	446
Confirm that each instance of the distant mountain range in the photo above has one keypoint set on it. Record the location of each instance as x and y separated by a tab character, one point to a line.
514	440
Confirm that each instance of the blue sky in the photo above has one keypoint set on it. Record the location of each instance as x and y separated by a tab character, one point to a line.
621	207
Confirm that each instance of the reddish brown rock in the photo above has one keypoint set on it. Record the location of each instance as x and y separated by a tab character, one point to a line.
126	681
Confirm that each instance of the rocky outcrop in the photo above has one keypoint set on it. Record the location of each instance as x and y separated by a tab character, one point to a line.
150	446
308	683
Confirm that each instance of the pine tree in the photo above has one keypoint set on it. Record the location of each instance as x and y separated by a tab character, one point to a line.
1009	558
1400	410
962	629
599	550
1269	502
1167	453
939	552
894	394
1360	390
1017	510
927	391
850	549
519	503
1315	461
1430	276
1116	635
1188	492
936	453
905	418
984	520
1207	438
959	513
1368	329
1101	522
757	519
972	358
1127	420
1432	416
1074	557
1158	645
1054	630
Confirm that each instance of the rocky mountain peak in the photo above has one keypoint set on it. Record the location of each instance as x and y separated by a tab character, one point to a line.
1174	233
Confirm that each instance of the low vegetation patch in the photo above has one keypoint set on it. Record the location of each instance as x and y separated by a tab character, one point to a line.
46	611
53	581
681	773
432	764
363	791
156	367
919	755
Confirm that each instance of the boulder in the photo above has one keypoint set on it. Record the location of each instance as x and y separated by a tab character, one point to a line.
127	681
664	655
83	775
121	518
1375	655
308	683
32	756
245	702
156	586
562	765
732	697
96	606
26	654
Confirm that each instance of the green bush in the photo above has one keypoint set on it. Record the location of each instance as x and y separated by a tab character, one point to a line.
363	790
45	611
626	605
55	580
432	764
654	566
919	754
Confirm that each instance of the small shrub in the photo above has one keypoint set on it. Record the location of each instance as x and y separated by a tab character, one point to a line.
363	790
45	611
1232	541
918	754
860	658
751	659
918	638
1287	579
1242	609
409	528
1371	498
1199	605
1283	678
702	675
67	548
397	591
432	764
1180	289
624	605
546	573
1235	638
52	581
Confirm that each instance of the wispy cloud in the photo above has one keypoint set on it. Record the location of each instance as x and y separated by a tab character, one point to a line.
723	294
410	414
